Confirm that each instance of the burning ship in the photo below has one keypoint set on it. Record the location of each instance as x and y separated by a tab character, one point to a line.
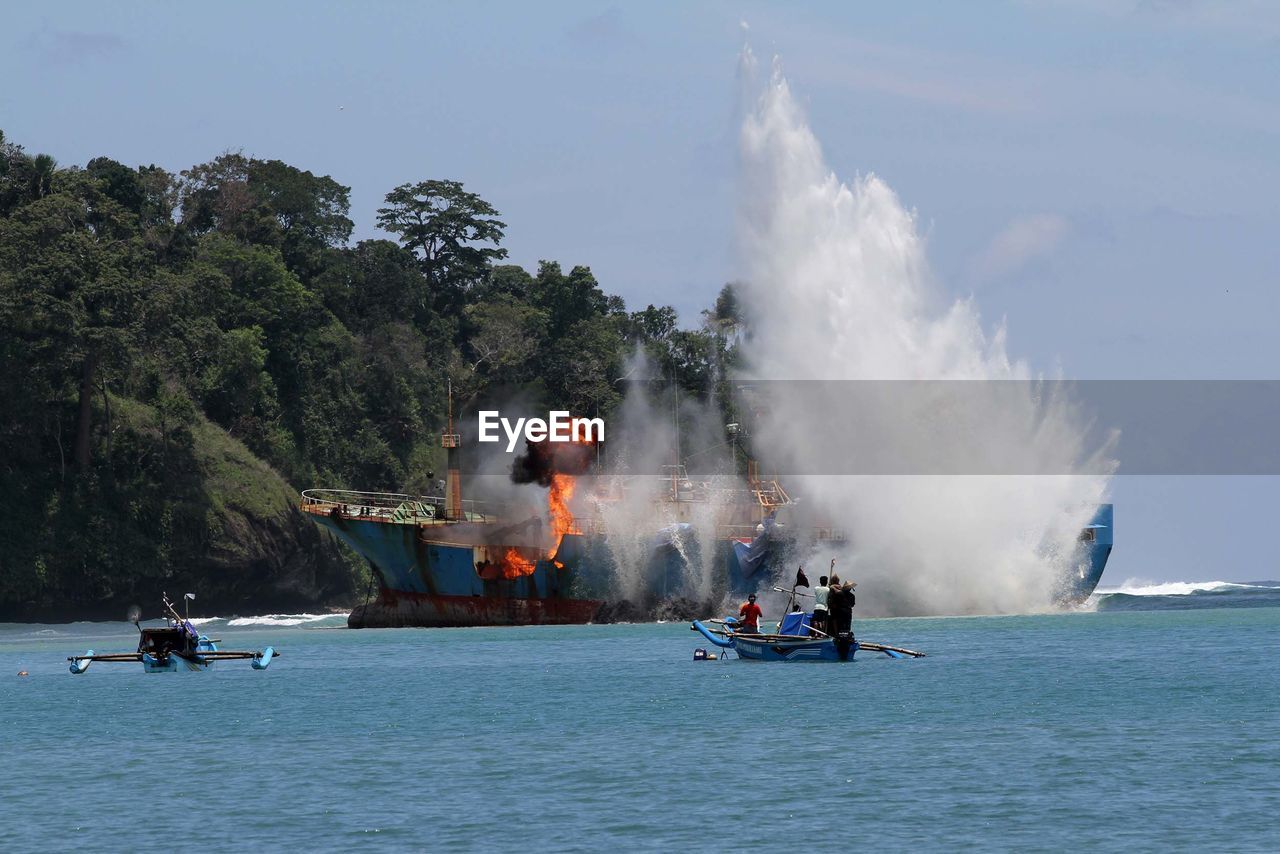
446	561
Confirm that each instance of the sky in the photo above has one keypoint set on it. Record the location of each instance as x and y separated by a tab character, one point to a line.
1099	176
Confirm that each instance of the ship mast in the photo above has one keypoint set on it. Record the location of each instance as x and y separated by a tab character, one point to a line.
450	441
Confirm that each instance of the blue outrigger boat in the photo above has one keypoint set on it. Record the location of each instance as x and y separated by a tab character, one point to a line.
173	648
796	640
793	642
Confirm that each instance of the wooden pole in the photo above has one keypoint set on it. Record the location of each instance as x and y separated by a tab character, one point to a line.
879	647
792	592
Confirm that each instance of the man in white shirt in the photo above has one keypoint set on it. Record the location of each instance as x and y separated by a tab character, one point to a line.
820	593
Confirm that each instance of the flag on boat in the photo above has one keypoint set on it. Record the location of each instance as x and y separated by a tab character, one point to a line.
801	580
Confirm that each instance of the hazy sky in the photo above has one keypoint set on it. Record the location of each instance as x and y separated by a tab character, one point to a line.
1101	175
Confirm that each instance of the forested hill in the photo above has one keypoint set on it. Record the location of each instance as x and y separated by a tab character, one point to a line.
182	353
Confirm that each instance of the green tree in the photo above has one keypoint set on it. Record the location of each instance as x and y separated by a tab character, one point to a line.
570	299
582	366
505	336
43	168
375	283
23	178
310	210
74	265
268	203
504	280
237	391
403	389
448	229
215	196
725	318
652	324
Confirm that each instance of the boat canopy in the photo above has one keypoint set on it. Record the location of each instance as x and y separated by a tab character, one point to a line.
795	624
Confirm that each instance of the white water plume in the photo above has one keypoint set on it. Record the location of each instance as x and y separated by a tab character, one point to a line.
641	508
837	287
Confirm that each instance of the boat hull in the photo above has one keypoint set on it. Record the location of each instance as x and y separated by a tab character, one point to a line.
394	609
1092	552
174	663
774	648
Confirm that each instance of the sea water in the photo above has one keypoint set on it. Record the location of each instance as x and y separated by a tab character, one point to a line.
1117	728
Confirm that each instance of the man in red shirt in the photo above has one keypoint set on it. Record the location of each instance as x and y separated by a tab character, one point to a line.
749	616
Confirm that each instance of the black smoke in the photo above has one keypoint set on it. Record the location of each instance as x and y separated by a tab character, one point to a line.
542	460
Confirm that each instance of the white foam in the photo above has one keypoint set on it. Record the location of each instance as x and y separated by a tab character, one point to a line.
1141	587
281	619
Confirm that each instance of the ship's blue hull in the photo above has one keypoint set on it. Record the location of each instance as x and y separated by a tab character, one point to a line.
434	576
1092	553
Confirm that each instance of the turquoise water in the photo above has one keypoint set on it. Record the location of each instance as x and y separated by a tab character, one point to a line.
1117	729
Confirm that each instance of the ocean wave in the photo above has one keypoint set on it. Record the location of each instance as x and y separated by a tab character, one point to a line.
1139	595
271	620
284	619
1137	587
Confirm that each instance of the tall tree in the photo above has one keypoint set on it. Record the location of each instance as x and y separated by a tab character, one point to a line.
725	318
310	210
570	299
76	262
23	178
447	227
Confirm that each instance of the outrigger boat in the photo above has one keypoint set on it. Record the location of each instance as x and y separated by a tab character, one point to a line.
793	642
174	647
796	639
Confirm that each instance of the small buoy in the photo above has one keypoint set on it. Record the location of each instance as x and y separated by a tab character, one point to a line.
23	673
711	656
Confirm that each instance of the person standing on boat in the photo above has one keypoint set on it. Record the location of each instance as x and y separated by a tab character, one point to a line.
749	616
840	602
820	593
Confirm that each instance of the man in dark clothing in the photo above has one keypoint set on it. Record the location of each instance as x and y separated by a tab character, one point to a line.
840	603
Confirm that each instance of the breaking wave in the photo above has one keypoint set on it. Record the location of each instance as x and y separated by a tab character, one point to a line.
316	621
1137	595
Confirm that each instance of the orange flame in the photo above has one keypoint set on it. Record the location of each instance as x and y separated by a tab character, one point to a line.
562	487
515	565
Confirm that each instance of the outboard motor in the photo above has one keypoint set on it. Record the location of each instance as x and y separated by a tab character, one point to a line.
846	646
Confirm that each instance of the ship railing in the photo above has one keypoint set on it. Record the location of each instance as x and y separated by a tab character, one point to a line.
736	532
829	533
769	493
595	526
388	507
675	486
